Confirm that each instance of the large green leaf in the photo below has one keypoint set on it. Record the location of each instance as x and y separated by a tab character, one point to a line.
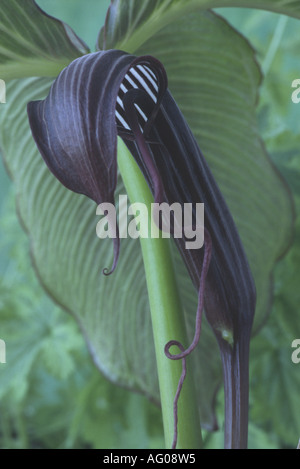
33	43
275	378
129	24
215	81
113	312
69	258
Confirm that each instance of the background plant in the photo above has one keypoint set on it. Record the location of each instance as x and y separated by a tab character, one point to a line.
273	423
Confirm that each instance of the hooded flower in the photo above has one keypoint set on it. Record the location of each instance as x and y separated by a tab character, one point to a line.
109	93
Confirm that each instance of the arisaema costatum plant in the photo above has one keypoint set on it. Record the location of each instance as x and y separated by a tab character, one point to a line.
163	111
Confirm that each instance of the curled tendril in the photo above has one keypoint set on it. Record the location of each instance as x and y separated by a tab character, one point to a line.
106	271
185	352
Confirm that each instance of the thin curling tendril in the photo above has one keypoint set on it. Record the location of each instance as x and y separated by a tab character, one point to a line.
185	352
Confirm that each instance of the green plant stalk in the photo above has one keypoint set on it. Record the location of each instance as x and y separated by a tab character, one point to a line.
275	43
166	314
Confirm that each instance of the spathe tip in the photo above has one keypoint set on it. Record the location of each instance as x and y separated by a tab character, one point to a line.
106	271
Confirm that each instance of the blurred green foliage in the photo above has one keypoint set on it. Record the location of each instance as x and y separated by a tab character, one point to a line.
51	395
275	380
85	18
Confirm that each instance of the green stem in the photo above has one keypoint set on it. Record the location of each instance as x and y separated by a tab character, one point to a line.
275	43
166	314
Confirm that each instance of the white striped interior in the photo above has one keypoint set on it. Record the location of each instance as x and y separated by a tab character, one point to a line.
139	77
